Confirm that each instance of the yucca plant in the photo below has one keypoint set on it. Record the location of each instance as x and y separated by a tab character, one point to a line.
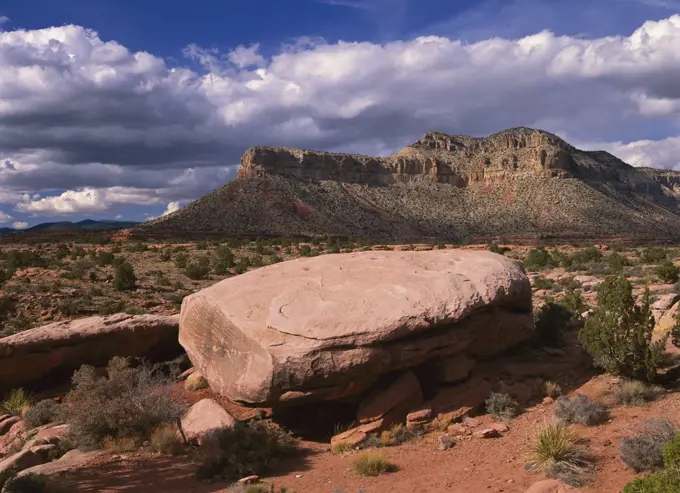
16	402
555	451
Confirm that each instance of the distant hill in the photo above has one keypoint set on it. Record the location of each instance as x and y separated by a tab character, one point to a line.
520	182
85	225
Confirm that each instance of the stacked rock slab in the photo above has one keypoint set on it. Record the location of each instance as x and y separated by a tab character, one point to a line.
326	328
53	351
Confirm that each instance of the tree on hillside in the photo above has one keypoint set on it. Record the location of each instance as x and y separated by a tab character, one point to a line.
618	334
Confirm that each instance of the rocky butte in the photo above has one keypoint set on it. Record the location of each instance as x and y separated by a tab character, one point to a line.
517	183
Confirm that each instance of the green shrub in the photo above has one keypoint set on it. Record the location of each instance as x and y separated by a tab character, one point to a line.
644	451
181	260
196	270
165	256
16	402
372	464
618	334
104	258
668	272
587	255
653	255
581	409
125	279
243	450
539	258
660	482
617	261
223	260
541	282
555	451
129	402
42	413
671	454
573	302
501	406
551	321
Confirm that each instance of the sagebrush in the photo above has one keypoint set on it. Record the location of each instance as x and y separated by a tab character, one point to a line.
128	402
580	409
243	450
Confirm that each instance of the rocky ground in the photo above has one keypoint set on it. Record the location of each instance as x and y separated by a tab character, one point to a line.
71	285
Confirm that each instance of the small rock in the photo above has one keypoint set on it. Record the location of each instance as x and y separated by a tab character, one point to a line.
249	479
499	427
205	416
486	433
471	422
444	442
419	417
195	381
548	400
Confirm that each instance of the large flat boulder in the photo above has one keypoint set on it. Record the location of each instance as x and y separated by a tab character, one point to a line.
320	326
55	350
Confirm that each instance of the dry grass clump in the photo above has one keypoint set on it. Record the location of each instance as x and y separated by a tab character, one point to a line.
128	404
396	435
341	448
555	451
636	393
552	389
372	464
166	440
580	409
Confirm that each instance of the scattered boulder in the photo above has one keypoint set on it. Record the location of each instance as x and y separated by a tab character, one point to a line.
393	403
419	417
486	433
71	460
319	325
15	433
354	436
26	458
666	301
519	391
454	403
7	423
56	350
666	321
203	417
455	368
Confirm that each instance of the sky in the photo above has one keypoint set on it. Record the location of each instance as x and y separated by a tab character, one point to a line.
121	109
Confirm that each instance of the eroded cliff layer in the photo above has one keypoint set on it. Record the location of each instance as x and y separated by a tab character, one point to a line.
516	183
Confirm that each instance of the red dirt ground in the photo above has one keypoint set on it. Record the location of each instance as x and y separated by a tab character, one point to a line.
475	465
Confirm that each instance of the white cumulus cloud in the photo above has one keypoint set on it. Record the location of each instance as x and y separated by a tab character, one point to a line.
172	207
4	217
103	125
20	225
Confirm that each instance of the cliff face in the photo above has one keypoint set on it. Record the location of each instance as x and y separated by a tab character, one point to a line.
437	157
516	183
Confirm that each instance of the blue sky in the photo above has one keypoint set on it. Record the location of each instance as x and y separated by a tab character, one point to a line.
115	108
